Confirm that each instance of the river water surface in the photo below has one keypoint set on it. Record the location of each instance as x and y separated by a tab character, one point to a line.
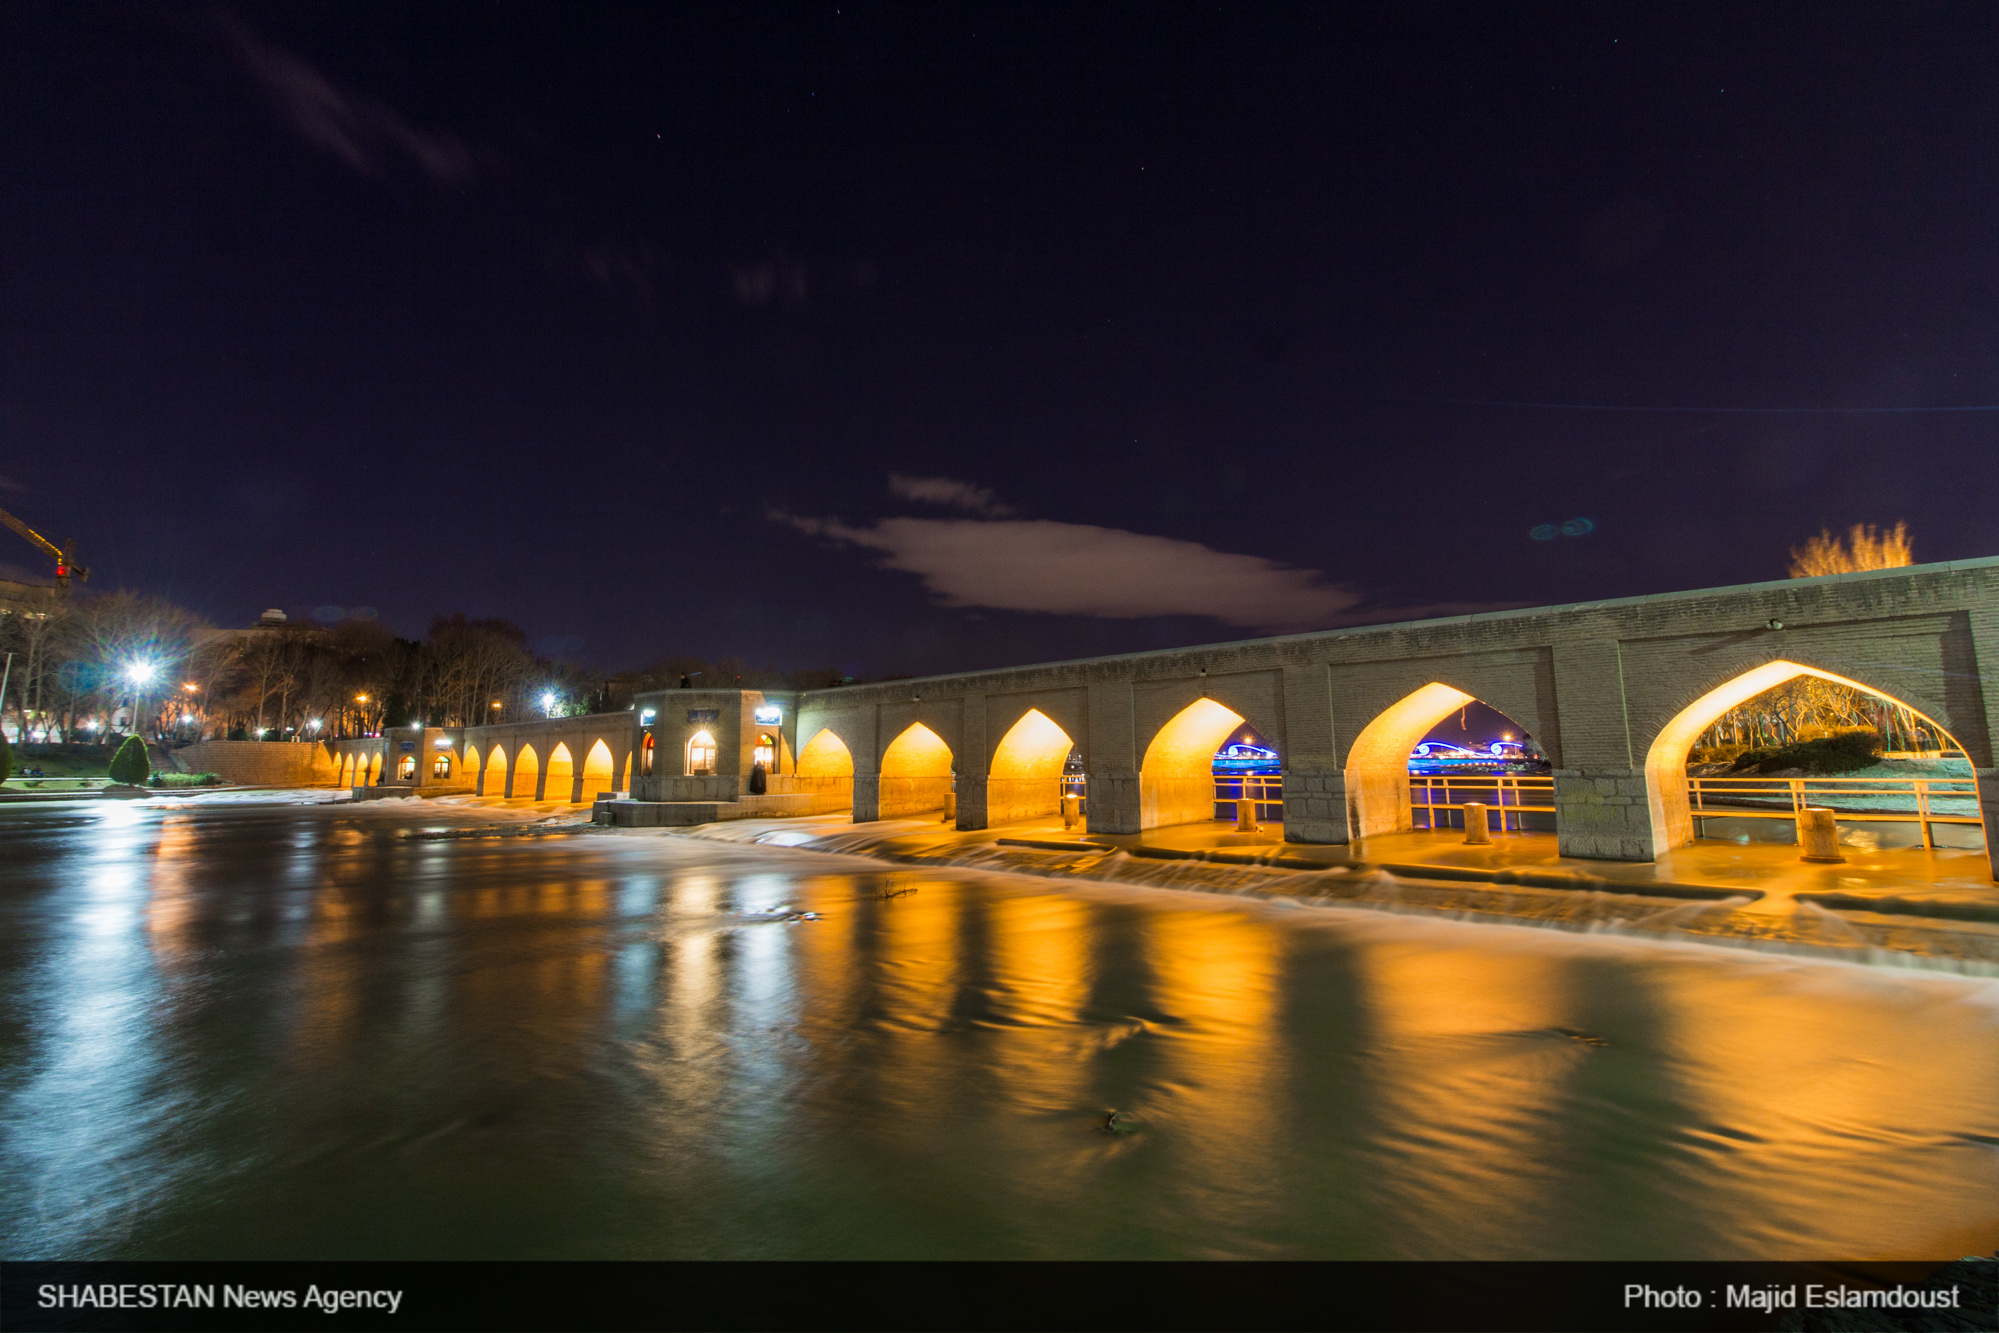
265	1030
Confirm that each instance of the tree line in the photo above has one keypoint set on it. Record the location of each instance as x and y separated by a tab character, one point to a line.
91	667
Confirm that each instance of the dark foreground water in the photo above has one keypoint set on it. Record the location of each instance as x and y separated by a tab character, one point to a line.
248	1031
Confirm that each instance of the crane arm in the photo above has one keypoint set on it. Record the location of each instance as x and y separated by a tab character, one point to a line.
28	532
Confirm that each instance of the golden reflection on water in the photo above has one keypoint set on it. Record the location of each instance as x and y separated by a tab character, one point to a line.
1041	982
170	908
1831	1075
1463	1065
1215	976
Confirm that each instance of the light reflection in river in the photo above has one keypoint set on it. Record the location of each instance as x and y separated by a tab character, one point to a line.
289	1031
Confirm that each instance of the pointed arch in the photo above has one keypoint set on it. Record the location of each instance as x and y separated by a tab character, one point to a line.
1176	781
915	773
1025	781
559	781
493	777
626	785
525	773
1377	770
597	775
1666	758
825	770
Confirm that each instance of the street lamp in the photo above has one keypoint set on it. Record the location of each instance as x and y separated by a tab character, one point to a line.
139	673
548	704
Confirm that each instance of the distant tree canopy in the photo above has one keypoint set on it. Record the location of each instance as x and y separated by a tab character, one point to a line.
70	678
1863	547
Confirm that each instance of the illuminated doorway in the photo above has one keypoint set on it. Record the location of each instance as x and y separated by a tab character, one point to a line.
700	755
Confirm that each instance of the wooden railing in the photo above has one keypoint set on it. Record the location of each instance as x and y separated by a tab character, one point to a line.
1507	796
1722	798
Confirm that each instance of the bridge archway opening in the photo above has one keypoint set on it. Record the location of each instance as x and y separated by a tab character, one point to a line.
598	774
701	753
915	773
1025	781
825	768
1950	786
1248	767
527	768
1176	779
560	780
1440	734
493	777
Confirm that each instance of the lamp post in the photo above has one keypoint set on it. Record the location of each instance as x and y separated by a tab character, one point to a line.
138	673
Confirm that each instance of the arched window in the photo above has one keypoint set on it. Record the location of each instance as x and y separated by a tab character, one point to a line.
407	768
645	757
440	767
701	755
766	751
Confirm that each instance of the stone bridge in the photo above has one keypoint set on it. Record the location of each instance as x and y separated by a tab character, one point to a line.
1615	692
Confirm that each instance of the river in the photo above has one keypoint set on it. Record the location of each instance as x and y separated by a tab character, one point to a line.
244	1029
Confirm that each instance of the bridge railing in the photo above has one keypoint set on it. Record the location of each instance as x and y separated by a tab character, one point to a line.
1925	802
1266	789
1506	795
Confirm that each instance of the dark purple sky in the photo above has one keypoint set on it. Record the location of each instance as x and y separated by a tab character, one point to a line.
933	337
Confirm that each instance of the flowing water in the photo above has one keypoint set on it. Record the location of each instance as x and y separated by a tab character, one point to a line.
265	1030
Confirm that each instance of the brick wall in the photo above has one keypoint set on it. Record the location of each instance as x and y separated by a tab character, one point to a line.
261	763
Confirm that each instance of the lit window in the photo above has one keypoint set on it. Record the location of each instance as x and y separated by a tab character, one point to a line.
766	752
441	766
407	768
645	757
701	755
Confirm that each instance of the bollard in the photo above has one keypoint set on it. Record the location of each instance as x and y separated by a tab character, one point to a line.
1819	835
1476	831
1072	809
1245	812
950	807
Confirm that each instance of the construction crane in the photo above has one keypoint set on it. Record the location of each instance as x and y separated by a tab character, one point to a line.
65	555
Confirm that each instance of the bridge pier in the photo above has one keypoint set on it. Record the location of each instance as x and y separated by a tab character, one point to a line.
1112	805
868	797
972	809
1603	814
1315	806
1988	809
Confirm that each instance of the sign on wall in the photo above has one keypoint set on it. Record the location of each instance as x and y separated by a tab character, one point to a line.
704	715
409	745
769	715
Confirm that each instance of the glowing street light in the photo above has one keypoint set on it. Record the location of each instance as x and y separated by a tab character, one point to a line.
548	704
140	673
314	724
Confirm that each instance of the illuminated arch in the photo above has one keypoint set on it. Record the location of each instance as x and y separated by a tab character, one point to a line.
825	756
526	770
374	774
627	784
703	754
493	777
1026	775
598	776
915	773
1666	759
1377	772
646	748
560	779
825	771
1176	782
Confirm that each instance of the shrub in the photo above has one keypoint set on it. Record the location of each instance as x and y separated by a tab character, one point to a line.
175	780
129	765
6	758
1844	752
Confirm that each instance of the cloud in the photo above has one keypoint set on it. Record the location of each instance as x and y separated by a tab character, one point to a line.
358	130
623	270
1080	570
948	493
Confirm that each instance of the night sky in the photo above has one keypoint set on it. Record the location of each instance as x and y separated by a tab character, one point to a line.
935	337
